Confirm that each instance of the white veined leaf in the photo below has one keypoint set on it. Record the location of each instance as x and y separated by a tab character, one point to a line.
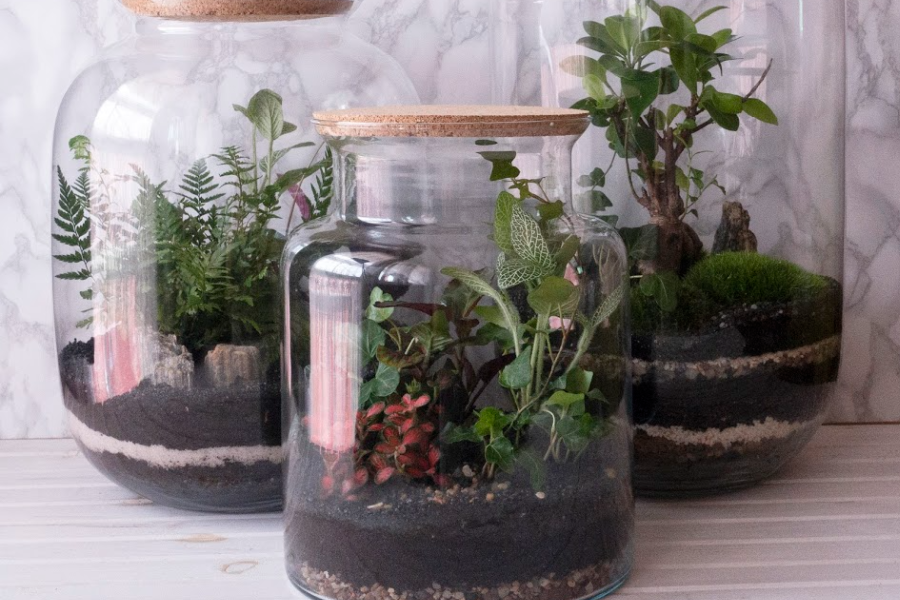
609	306
513	272
528	241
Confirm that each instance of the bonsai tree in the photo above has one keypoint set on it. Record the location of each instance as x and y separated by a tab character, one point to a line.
211	239
652	90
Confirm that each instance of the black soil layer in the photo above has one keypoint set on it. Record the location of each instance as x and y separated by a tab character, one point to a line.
781	388
408	537
196	419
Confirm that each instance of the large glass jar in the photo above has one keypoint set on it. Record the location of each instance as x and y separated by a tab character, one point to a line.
184	157
456	377
717	152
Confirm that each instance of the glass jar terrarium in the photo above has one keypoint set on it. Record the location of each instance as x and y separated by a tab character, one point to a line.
456	376
717	152
181	169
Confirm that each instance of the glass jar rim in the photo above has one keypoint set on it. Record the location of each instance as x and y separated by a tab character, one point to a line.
238	10
452	121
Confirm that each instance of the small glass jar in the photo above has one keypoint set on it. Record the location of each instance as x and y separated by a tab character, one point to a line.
184	157
456	375
730	197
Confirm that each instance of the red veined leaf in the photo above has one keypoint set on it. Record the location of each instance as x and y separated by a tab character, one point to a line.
384	474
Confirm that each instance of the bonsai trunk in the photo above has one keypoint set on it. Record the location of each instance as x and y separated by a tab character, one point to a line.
679	246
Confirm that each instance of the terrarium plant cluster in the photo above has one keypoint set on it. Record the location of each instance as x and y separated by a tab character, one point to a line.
426	392
213	238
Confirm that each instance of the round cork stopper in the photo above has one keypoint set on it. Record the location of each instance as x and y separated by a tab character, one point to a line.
452	121
238	10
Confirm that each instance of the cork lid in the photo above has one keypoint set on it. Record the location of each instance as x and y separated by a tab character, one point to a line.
452	121
238	10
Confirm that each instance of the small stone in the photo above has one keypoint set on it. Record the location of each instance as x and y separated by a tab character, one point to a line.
468	472
503	592
489	497
541	496
174	365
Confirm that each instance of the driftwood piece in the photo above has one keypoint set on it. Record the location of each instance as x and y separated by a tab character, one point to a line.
174	365
734	233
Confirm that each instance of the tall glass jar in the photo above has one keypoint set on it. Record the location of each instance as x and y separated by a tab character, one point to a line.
183	159
458	410
718	153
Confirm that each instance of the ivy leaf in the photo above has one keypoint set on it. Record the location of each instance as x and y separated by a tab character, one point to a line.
566	400
761	111
663	287
373	337
518	374
534	464
578	381
528	240
551	211
491	423
385	383
455	434
379	315
555	296
501	452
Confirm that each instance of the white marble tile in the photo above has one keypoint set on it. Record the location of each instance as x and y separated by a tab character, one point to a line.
446	46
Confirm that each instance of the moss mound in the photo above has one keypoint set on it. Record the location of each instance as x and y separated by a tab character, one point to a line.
736	278
725	281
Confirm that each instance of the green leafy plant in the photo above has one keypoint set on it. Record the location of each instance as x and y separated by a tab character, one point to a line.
211	240
532	311
651	89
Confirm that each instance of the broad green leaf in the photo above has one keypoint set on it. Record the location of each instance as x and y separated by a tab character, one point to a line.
567	251
528	240
708	13
594	87
624	29
398	360
677	23
668	81
641	89
491	314
729	122
723	37
518	375
685	64
601	34
555	296
455	434
550	211
266	112
581	66
758	109
704	45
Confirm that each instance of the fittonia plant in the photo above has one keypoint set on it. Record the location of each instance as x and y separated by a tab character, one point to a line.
211	240
652	90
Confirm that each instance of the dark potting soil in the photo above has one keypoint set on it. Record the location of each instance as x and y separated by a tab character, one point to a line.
407	537
781	388
244	415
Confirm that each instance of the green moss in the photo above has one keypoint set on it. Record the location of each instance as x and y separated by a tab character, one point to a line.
736	278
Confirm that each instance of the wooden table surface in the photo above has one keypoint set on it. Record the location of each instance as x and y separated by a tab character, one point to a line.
826	528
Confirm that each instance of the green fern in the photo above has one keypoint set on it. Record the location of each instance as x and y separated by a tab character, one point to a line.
323	188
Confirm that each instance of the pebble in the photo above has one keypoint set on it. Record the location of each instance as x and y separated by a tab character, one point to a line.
489	498
468	472
541	496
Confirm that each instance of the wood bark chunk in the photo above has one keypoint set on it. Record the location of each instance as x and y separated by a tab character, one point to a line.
174	365
734	233
227	365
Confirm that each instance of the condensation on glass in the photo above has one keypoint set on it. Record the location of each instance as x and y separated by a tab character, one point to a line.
433	447
183	158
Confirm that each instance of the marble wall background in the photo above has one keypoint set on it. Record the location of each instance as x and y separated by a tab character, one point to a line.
44	44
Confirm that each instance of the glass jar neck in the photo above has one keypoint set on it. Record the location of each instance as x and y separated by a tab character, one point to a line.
443	181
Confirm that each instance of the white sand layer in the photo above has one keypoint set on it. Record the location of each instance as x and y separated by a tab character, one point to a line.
770	429
168	458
